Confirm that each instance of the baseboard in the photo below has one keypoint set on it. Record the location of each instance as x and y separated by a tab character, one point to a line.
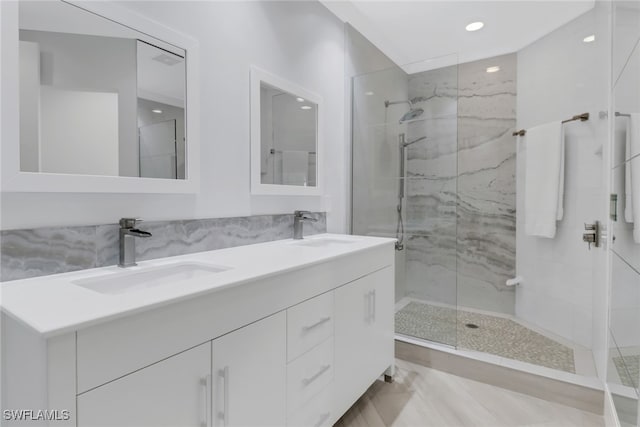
577	396
610	415
624	410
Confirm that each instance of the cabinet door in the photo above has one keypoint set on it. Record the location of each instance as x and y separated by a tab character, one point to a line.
363	335
249	375
172	392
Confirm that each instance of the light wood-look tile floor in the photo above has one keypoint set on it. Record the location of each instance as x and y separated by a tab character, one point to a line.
423	396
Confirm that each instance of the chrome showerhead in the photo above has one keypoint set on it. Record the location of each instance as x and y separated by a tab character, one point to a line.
411	114
406	144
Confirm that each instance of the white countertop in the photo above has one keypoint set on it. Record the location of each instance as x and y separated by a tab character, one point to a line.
52	305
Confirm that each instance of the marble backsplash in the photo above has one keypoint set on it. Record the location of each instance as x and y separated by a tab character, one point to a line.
43	251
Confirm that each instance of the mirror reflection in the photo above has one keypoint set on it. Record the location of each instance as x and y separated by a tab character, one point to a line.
288	138
97	98
623	370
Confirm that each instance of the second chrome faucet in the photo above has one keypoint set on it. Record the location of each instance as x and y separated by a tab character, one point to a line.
298	218
128	234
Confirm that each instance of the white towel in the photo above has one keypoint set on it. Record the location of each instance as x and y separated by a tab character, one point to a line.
632	175
628	206
544	172
295	167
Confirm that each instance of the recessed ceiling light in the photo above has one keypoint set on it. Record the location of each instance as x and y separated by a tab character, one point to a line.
167	60
157	111
305	107
589	39
474	26
493	69
300	99
368	93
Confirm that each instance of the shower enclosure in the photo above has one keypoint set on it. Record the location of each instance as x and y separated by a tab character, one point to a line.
434	165
439	161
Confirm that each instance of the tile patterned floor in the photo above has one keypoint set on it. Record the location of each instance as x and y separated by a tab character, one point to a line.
494	335
425	397
628	368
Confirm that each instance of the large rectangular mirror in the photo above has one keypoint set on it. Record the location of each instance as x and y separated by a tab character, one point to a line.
102	99
284	138
95	99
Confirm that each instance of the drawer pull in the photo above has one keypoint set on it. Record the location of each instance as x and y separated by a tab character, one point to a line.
224	414
315	325
205	383
307	381
322	419
374	305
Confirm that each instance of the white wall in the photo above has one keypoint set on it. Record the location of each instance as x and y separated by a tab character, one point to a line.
78	132
299	41
560	76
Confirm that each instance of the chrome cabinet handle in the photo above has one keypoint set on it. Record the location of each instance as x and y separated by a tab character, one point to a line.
224	414
373	304
370	315
322	419
315	325
205	383
367	307
312	378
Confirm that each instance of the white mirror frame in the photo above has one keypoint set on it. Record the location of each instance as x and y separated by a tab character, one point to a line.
14	180
257	187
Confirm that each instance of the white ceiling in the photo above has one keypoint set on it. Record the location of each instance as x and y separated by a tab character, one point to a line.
410	32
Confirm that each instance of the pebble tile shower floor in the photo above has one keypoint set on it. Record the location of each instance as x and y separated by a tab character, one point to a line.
628	368
494	335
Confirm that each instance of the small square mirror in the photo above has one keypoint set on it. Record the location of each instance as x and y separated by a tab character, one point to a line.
284	137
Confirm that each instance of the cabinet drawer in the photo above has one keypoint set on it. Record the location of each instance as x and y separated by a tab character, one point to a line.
308	324
315	413
309	374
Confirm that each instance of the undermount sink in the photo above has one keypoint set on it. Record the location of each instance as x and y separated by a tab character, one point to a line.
322	242
148	277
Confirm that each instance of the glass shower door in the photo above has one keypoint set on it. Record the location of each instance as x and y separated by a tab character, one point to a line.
404	185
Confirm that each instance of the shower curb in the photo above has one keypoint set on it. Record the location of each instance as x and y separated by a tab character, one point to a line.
577	396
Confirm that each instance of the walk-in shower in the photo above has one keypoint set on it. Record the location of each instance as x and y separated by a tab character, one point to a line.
459	202
451	204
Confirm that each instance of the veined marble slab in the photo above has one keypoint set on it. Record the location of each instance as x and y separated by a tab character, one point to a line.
463	174
43	251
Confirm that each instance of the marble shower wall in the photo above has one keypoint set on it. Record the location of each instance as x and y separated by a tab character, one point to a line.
430	203
461	193
42	251
487	184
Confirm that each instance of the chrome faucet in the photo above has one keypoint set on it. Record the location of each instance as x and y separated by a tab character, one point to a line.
128	234
298	218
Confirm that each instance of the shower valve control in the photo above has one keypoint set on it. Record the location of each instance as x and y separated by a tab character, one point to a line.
593	235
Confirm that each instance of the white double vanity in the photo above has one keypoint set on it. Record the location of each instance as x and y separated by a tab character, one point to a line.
290	332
